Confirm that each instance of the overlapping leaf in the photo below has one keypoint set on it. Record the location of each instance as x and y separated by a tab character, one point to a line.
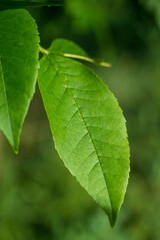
8	4
88	126
18	70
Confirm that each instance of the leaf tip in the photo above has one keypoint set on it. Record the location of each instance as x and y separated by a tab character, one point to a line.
15	148
16	151
112	220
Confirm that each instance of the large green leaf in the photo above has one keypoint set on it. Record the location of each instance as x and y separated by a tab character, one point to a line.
88	127
8	4
18	70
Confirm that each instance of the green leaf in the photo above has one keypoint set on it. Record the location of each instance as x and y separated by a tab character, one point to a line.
30	3
61	46
88	127
19	52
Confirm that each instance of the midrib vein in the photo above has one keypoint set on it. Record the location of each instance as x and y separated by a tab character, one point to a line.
6	100
76	104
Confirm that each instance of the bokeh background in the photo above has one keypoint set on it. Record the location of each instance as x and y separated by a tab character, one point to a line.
39	199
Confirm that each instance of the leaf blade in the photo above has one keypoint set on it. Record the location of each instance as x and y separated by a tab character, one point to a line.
18	70
63	46
88	129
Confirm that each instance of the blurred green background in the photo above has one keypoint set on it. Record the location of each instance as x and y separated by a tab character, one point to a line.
39	199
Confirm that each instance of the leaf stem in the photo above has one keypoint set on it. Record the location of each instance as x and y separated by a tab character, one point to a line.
43	50
99	62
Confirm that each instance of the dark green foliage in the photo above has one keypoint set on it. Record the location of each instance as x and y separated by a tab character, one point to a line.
9	4
153	6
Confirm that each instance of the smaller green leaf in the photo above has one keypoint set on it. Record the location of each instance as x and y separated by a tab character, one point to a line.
9	4
19	51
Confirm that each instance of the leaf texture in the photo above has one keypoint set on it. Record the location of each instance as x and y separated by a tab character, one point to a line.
88	127
19	52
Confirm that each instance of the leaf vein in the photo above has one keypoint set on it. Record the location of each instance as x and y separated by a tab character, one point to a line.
92	141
